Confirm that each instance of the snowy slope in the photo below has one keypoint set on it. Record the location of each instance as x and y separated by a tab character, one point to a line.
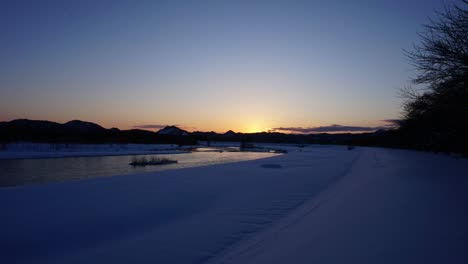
173	131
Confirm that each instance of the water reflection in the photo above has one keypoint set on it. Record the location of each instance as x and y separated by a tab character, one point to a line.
29	171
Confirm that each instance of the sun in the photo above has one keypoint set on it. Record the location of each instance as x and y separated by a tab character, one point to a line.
251	124
254	128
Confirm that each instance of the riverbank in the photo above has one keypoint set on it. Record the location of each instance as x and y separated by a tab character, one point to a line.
323	204
392	206
45	150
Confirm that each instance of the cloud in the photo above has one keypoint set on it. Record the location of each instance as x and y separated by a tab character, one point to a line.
159	127
392	123
150	126
326	129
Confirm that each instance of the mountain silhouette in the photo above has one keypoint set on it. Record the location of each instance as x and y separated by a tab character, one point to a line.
173	131
83	126
77	131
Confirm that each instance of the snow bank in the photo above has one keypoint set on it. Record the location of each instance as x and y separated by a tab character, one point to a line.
321	205
179	216
392	207
27	150
46	150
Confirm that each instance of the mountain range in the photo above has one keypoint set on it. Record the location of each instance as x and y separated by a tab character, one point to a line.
77	131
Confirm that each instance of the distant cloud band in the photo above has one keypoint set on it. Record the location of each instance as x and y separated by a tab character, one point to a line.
392	122
158	127
150	126
327	129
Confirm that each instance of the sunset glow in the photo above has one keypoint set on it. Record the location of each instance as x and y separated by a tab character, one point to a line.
214	66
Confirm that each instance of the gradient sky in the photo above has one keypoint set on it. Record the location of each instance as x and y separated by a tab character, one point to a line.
208	65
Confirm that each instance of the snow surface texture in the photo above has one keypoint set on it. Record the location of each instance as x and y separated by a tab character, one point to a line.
392	206
322	205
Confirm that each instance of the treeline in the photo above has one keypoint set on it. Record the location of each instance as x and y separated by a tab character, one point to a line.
436	115
23	130
80	132
378	138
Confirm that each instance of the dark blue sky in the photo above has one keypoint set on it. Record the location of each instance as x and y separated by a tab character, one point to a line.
211	65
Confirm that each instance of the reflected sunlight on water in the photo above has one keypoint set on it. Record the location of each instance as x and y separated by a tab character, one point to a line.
29	171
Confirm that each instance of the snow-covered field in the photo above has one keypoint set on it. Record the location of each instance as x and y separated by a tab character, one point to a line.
324	204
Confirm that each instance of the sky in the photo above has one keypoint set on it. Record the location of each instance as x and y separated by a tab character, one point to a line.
248	66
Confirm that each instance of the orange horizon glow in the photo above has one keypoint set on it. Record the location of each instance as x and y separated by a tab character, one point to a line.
241	66
238	127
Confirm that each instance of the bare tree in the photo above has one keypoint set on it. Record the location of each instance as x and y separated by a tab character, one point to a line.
442	55
436	117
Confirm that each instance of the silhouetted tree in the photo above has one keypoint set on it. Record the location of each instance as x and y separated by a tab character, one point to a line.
437	118
442	55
